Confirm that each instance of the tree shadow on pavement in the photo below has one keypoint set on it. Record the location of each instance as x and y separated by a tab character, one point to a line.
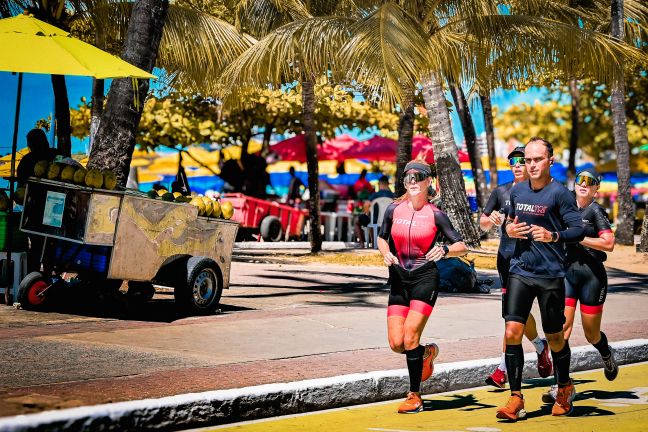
546	382
579	411
606	395
634	283
464	402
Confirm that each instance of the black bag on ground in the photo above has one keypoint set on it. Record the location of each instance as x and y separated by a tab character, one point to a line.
457	275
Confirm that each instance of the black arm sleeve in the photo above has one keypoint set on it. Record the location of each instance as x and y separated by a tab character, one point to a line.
385	229
571	217
493	202
445	226
601	221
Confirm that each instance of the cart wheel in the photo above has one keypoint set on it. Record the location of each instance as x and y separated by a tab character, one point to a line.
271	229
202	290
30	289
140	290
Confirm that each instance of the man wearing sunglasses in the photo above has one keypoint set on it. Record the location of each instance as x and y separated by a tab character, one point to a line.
586	278
494	214
543	217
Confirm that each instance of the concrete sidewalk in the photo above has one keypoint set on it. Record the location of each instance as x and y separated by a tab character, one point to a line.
279	324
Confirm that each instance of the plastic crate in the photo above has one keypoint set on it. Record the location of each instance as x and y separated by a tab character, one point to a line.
19	239
74	256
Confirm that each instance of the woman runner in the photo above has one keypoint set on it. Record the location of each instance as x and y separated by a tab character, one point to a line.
586	278
408	236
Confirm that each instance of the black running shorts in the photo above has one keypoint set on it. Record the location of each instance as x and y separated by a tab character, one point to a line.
586	282
421	283
503	265
521	292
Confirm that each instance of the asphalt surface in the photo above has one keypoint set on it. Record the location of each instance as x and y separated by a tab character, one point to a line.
279	323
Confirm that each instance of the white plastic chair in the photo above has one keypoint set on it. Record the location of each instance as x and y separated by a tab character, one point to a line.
377	209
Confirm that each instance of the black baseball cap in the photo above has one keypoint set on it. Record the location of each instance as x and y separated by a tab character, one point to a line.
590	172
517	151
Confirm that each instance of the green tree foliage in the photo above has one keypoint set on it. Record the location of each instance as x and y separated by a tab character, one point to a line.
185	120
550	117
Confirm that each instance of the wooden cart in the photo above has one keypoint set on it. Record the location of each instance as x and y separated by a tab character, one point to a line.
106	237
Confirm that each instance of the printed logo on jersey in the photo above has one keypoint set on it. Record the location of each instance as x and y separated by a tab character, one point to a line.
400	221
533	209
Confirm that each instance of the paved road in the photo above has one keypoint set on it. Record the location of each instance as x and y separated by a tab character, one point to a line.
621	405
279	323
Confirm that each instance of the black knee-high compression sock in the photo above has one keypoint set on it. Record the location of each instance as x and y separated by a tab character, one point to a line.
514	357
415	367
562	361
603	347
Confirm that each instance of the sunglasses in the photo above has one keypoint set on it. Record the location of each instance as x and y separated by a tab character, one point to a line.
517	160
416	176
589	181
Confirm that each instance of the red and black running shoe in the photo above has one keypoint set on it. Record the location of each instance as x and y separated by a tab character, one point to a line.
497	378
545	367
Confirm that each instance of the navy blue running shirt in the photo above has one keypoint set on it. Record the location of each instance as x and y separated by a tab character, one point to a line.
500	200
554	208
595	222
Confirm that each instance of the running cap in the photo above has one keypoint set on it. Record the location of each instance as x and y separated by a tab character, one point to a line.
517	151
590	172
421	167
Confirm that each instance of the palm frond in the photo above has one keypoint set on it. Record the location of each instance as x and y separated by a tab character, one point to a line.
386	51
260	17
302	47
529	41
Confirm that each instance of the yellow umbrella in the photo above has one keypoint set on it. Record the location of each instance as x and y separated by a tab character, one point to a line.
33	46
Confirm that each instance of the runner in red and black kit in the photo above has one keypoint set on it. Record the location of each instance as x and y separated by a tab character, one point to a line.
409	241
586	278
543	217
494	214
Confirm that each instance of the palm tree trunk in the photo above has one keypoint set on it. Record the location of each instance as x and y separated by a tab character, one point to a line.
267	134
115	139
453	189
625	218
62	115
308	120
643	244
405	136
471	143
98	86
575	119
487	109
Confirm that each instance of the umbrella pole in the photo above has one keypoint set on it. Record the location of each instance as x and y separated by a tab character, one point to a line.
12	179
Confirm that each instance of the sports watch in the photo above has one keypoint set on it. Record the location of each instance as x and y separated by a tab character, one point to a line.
445	250
554	237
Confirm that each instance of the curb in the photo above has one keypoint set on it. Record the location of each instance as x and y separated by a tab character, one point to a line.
249	403
326	246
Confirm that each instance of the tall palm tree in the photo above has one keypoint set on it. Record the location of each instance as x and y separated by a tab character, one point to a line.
487	110
625	218
297	44
400	43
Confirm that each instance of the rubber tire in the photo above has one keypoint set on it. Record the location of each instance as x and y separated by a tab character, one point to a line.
31	284
271	229
141	290
184	294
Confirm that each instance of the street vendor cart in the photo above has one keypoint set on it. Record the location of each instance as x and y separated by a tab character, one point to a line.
106	237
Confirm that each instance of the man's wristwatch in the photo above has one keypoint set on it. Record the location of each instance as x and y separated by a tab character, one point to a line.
445	250
554	237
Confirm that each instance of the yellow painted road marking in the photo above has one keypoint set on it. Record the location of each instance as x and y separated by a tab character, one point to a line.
620	405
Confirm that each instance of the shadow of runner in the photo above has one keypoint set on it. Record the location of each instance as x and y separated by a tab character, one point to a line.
464	402
606	395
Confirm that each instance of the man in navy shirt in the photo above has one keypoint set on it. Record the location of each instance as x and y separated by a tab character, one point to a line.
543	216
494	214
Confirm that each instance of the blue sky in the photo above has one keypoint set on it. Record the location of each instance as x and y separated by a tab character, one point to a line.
38	102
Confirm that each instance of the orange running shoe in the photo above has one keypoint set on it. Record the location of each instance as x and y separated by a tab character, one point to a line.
514	409
412	404
431	352
544	362
564	400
